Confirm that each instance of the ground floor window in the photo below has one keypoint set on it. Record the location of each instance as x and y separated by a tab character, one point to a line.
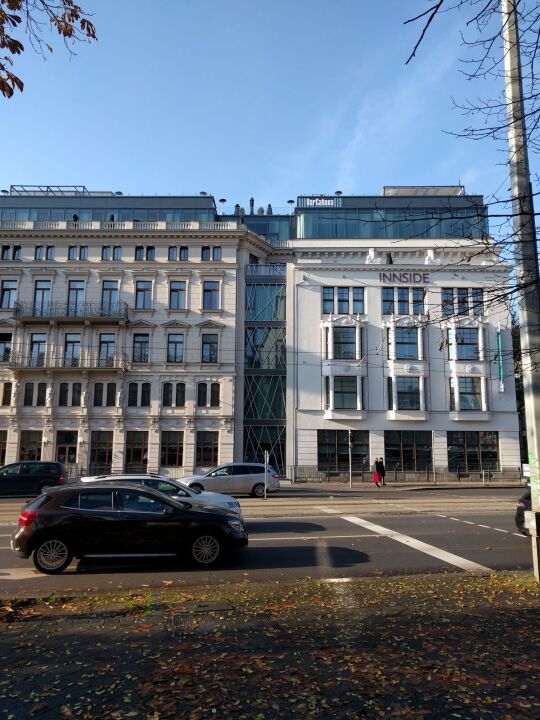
333	449
30	445
101	449
66	446
172	449
136	451
3	446
206	453
473	451
261	438
407	450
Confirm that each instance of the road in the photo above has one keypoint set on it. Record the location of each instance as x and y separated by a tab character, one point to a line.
328	534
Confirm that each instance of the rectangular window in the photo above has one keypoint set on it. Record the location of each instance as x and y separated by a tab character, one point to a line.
72	350
83	252
418	301
30	445
76	394
75	299
37	349
101	447
143	294
345	389
117	252
403	300
106	252
207	446
180	394
145	394
136	451
175	348
173	253
467	343
183	255
6	252
6	394
358	300
447	301
388	301
5	347
41	396
205	253
477	301
216	253
333	450
98	394
389	393
110	400
463	301
209	349
141	348
210	295
166	397
472	451
177	295
470	396
328	300
42	297
72	252
109	298
172	448
107	349
133	394
408	393
202	391
214	395
150	252
406	341
344	343
343	300
38	252
408	450
50	252
63	394
139	252
16	252
28	399
9	294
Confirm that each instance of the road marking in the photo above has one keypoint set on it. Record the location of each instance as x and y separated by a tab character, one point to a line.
499	530
484	526
467	522
447	557
309	537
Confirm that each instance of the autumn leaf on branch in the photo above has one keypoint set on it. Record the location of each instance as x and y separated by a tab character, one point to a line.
32	17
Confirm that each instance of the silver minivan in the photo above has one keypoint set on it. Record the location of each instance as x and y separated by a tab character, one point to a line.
236	479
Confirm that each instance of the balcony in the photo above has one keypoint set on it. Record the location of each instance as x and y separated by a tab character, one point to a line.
131	225
26	361
29	312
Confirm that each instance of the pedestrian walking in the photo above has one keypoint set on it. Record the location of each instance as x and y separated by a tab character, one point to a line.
376	476
379	463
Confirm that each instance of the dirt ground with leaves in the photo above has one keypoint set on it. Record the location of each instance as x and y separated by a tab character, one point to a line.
447	646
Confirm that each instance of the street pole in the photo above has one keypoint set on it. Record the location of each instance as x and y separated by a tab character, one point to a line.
526	258
266	461
350	457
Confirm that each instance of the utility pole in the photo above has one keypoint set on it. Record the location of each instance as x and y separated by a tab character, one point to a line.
526	259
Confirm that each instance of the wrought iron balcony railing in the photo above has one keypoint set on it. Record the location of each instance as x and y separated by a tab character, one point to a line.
82	310
61	361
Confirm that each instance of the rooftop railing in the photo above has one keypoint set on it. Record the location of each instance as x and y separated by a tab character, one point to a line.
29	225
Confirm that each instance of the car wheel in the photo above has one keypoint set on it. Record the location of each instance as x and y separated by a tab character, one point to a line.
196	486
258	490
206	549
52	556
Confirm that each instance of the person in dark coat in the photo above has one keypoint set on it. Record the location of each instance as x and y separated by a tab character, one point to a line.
376	475
379	466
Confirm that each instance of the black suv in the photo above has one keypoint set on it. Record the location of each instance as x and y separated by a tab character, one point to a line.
30	478
120	519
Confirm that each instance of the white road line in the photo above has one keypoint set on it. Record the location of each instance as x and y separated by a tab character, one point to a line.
447	557
330	511
467	522
5	547
443	516
456	519
484	526
499	530
309	537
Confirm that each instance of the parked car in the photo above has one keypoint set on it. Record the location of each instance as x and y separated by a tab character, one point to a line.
524	503
116	519
30	477
236	479
173	488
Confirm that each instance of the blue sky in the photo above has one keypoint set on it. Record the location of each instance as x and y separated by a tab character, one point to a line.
237	98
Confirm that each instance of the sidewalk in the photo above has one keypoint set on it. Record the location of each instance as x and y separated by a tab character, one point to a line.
442	647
